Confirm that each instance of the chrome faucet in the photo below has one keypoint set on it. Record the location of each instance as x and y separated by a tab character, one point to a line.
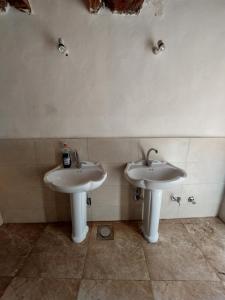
147	160
76	159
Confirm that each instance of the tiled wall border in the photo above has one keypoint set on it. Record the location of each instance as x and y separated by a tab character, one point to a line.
23	162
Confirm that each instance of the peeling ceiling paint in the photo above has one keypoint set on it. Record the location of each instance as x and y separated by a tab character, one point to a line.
22	5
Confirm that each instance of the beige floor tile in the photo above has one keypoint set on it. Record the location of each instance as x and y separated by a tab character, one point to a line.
55	255
210	237
188	290
18	239
176	256
122	258
39	288
115	290
211	220
4	282
170	221
53	265
10	264
56	240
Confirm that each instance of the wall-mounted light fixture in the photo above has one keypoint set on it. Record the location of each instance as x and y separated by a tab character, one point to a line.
159	47
62	47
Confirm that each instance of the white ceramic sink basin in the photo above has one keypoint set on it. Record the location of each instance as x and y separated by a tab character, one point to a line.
77	182
74	180
159	176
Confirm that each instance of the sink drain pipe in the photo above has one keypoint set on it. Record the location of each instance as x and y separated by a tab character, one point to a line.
138	194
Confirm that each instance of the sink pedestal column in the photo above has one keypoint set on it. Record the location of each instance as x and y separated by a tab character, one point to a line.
78	204
152	205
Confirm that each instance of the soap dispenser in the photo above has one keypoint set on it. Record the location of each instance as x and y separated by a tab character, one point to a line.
66	156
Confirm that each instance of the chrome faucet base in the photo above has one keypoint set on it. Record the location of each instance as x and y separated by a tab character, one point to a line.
76	159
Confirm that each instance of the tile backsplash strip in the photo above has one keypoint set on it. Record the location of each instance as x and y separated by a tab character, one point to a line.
23	162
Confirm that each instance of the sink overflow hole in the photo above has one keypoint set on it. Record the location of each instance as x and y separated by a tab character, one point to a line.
105	232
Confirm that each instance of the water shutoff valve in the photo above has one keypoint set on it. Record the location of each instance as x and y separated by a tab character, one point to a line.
191	199
176	199
138	194
88	200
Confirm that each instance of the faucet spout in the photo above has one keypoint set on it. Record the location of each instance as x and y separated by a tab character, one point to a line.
148	162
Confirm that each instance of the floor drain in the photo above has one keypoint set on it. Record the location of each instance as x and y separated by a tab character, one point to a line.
105	232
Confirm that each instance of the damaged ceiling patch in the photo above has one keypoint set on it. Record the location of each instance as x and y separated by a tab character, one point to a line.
4	6
126	6
22	5
118	6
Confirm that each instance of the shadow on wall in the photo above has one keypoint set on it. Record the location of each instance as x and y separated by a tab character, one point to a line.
222	208
130	209
56	206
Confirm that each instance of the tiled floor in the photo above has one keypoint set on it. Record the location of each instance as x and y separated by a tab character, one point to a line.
39	261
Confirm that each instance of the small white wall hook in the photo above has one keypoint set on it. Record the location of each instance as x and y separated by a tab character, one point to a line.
62	47
159	47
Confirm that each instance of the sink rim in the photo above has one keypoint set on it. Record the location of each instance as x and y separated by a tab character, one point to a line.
77	188
143	182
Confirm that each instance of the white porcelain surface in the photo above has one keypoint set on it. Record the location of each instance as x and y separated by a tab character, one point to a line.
153	179
77	182
160	175
74	180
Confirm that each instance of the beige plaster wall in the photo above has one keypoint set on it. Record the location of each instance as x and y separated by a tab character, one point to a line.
111	84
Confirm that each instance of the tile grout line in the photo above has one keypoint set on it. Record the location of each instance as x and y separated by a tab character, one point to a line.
113	279
150	281
29	253
85	259
203	254
25	257
188	151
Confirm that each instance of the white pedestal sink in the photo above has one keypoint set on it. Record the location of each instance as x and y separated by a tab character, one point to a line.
77	182
153	179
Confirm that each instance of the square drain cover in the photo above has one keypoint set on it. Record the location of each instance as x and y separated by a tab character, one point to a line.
105	232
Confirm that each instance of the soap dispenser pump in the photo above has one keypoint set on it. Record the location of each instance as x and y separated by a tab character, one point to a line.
66	156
